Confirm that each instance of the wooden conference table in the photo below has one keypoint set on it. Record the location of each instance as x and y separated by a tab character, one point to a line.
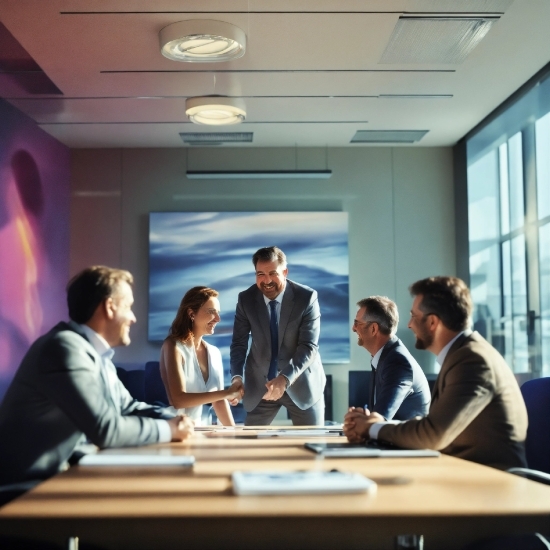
449	501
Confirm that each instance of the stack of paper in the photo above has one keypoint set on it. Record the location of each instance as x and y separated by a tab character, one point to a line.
109	459
300	483
300	433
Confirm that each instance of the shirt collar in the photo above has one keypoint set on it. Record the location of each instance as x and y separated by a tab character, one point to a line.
376	357
98	342
441	356
279	298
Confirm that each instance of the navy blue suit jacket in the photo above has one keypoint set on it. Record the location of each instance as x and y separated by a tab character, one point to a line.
402	391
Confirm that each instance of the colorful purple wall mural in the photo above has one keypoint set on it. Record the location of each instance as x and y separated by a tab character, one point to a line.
34	235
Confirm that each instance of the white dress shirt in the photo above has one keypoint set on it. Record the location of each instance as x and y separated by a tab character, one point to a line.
279	300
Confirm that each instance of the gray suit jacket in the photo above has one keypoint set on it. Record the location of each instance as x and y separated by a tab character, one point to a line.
402	391
56	396
477	410
298	358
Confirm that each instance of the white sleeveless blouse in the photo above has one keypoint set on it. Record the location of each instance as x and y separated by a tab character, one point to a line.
194	381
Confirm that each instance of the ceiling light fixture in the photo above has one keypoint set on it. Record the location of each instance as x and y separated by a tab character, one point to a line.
202	41
215	110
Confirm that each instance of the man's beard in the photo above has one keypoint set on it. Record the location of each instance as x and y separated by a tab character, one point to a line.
275	290
424	341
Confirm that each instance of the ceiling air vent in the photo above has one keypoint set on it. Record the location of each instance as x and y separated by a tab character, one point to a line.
469	6
435	39
215	138
388	136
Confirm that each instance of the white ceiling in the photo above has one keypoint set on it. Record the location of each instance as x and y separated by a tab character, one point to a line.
310	75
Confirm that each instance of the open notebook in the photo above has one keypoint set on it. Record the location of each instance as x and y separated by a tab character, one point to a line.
370	449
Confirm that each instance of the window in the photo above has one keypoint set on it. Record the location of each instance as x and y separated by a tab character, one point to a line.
509	231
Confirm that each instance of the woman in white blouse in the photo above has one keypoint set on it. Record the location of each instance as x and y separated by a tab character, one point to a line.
191	369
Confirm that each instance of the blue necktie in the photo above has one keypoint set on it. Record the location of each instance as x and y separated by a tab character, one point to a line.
372	387
274	340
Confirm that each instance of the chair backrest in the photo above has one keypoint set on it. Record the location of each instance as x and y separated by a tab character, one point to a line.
358	388
153	386
133	381
328	398
536	394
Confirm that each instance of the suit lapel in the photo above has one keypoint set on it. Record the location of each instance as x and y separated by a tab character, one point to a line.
390	344
458	343
286	309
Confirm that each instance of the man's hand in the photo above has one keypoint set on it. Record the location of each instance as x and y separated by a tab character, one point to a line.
182	427
357	423
237	391
275	388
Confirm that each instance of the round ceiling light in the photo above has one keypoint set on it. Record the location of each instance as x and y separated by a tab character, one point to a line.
215	111
202	41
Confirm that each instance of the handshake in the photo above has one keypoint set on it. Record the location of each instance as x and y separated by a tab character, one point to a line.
235	392
182	427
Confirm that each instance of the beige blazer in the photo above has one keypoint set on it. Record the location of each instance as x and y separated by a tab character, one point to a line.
477	411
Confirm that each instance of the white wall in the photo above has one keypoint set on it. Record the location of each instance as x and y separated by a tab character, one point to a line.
400	204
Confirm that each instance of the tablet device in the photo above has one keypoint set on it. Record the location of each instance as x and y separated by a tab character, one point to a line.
370	449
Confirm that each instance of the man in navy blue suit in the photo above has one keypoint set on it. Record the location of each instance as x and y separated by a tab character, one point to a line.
398	389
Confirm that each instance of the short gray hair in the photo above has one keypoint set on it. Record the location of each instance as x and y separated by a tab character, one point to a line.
381	310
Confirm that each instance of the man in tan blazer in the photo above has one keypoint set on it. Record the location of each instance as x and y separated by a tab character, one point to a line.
477	411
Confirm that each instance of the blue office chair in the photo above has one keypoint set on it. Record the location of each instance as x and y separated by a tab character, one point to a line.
536	394
133	381
238	412
358	388
327	394
153	386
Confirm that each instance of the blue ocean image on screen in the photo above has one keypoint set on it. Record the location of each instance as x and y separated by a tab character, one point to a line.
215	249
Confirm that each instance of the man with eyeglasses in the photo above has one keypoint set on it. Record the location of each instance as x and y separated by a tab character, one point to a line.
398	387
477	411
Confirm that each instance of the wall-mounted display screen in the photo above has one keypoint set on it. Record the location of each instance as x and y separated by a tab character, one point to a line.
215	249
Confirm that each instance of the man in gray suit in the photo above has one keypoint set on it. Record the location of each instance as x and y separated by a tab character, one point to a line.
66	388
477	411
282	367
398	387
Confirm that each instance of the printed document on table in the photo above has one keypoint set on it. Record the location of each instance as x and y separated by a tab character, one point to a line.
300	433
109	459
300	483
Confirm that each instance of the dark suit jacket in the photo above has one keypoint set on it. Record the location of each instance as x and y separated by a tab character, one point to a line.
402	391
57	395
477	410
298	358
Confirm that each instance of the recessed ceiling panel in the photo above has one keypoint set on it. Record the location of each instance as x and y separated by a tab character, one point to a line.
216	137
388	136
457	6
445	40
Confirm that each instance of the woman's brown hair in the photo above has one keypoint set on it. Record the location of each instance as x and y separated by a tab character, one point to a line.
194	299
